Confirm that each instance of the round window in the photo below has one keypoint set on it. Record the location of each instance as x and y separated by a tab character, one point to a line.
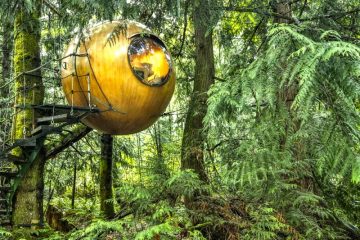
149	60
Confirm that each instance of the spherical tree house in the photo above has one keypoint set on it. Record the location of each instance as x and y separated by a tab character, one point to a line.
123	70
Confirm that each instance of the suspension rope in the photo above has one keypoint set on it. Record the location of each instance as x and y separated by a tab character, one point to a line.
89	90
95	78
76	73
109	105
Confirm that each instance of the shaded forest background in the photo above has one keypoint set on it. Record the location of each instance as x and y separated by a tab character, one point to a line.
260	141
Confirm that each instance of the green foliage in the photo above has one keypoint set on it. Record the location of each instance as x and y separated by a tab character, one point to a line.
5	234
289	150
265	224
282	151
98	229
186	183
165	229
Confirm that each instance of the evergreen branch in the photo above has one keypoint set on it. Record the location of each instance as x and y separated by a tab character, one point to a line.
184	30
52	7
291	19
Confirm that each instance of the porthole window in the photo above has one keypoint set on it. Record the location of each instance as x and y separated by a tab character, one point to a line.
149	60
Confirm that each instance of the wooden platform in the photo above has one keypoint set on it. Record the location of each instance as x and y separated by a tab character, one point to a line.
9	174
5	188
5	211
49	109
62	116
11	158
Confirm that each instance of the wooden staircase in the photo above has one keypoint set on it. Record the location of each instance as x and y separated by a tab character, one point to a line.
7	176
12	168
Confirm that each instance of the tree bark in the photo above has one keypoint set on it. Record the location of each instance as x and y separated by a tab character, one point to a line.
192	152
73	192
106	180
283	10
28	199
287	94
6	49
286	97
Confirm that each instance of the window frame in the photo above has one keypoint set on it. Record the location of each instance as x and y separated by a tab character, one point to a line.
162	44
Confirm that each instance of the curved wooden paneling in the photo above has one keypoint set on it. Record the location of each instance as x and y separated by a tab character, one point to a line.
127	104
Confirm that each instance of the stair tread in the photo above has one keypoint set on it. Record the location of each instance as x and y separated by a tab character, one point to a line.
8	173
56	118
15	159
5	222
5	168
59	108
5	211
41	129
5	187
11	157
27	142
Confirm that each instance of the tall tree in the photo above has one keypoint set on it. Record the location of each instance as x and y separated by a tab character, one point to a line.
106	176
192	152
29	89
6	48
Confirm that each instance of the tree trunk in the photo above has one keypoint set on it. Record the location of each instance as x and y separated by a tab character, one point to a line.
28	199
6	49
159	164
283	9
192	152
73	192
287	96
106	181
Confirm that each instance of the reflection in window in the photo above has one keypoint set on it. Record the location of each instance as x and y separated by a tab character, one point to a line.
149	60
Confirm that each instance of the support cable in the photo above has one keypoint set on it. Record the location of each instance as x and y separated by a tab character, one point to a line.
110	107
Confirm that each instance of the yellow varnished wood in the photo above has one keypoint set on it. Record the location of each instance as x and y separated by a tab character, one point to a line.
134	106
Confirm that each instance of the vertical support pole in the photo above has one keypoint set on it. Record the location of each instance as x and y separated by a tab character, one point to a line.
106	181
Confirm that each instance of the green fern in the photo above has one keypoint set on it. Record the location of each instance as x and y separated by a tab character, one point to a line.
4	234
166	230
295	155
97	230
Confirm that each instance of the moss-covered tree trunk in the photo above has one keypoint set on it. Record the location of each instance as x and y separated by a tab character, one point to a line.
27	202
106	178
192	152
6	48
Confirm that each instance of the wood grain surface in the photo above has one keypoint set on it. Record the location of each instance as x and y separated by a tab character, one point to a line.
101	65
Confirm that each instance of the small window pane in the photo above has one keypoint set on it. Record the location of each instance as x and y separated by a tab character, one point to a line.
149	60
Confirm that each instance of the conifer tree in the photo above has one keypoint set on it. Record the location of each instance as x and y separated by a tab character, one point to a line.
192	151
29	89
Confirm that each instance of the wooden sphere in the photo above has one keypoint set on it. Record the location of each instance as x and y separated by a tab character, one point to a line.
122	69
